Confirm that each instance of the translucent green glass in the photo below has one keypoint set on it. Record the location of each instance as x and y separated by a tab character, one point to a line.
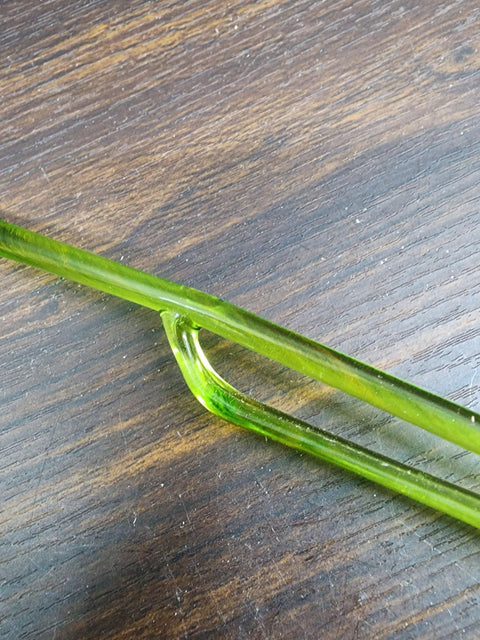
185	310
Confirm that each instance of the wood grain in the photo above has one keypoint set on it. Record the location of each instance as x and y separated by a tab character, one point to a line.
315	162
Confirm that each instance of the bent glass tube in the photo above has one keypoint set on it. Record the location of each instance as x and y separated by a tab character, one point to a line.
185	310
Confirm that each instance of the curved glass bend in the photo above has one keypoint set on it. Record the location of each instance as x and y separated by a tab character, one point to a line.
422	408
221	398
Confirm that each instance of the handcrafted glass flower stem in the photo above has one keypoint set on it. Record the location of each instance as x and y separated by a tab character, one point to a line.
185	310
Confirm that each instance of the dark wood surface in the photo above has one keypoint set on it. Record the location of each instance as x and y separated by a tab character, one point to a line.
315	162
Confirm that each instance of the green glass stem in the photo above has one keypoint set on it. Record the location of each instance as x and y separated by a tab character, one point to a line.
185	310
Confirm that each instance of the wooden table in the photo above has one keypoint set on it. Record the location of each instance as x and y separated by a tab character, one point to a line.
315	162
